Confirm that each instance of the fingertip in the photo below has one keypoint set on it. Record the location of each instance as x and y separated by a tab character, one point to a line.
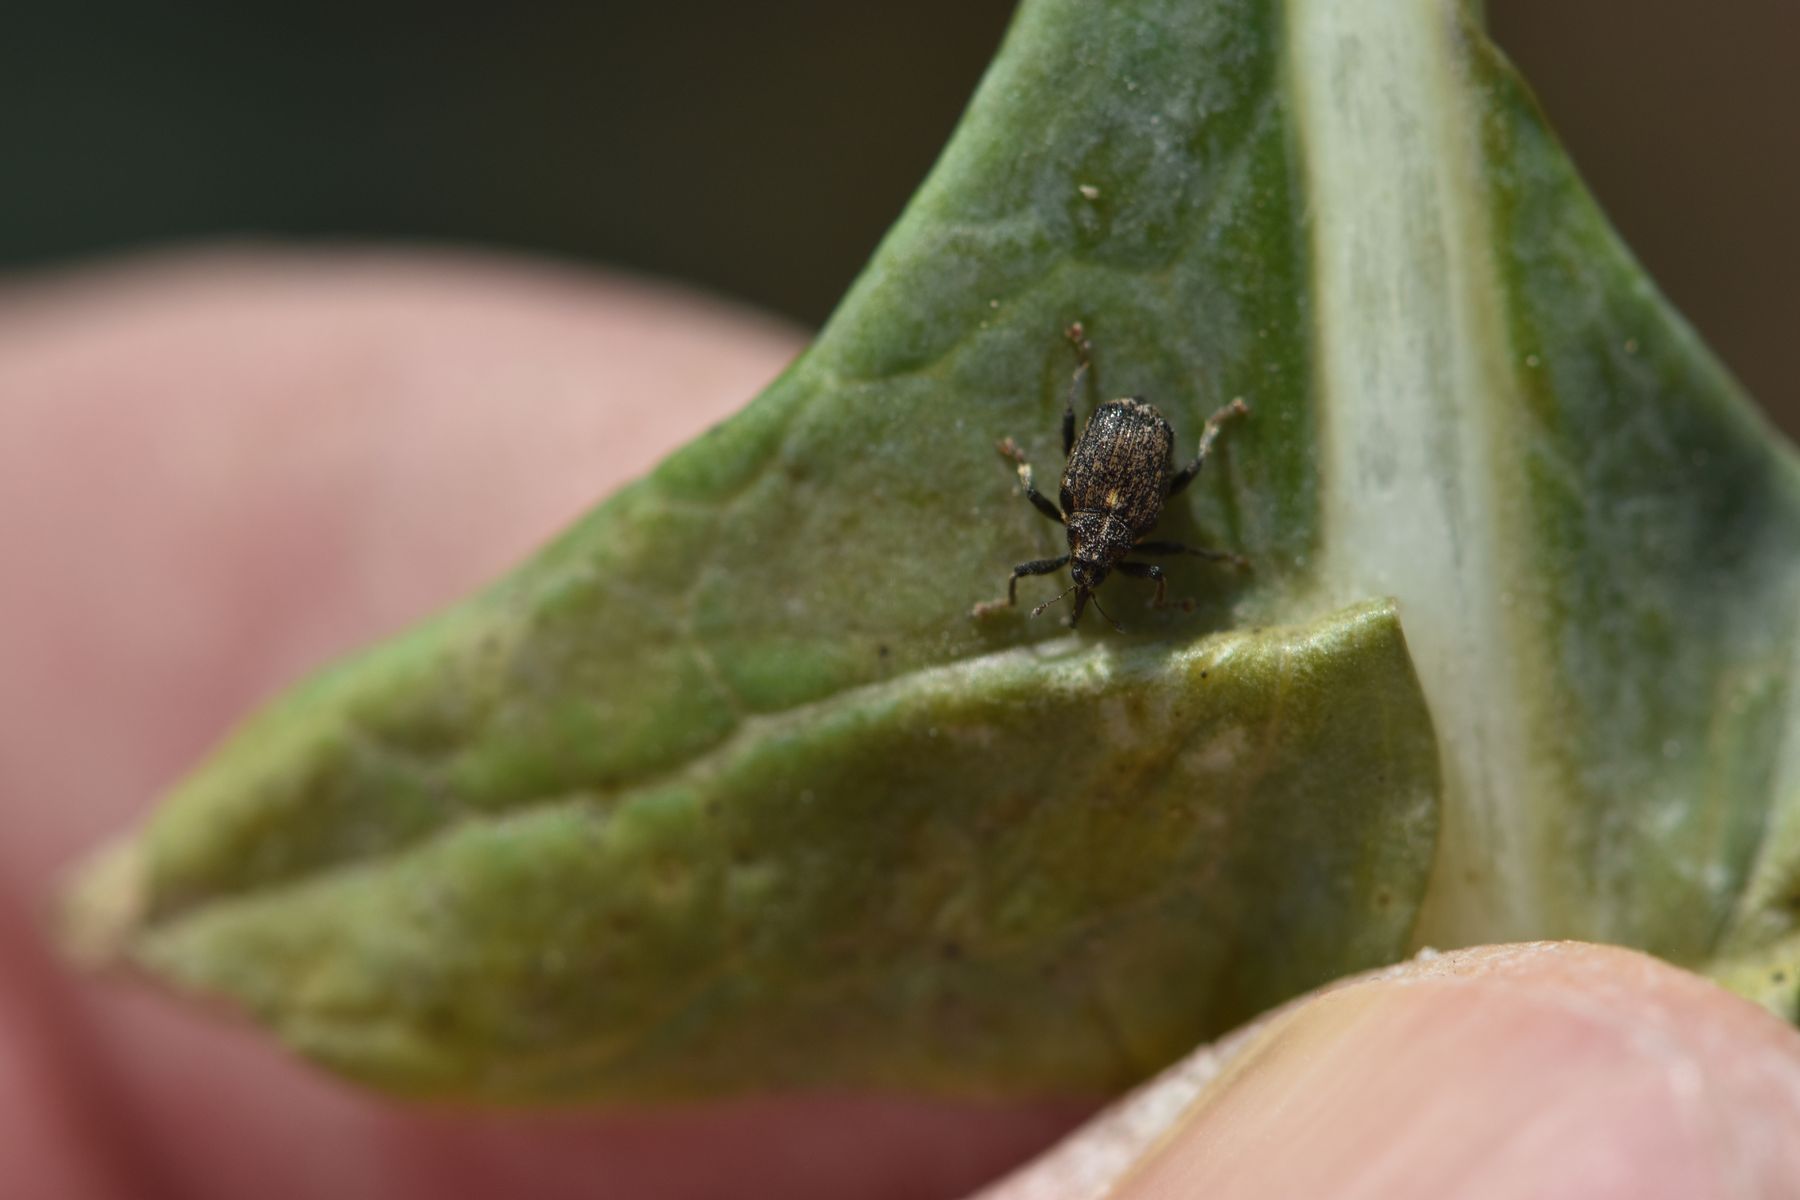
1548	1070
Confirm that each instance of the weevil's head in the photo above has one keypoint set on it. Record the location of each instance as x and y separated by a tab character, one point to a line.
1088	572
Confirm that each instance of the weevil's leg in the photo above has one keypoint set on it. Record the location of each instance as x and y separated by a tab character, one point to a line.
1078	338
1009	449
1209	435
1196	551
1147	571
1068	420
1081	599
1039	566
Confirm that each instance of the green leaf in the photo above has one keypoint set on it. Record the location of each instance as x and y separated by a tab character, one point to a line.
1041	869
662	814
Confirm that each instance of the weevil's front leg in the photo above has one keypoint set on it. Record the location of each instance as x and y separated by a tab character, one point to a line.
1209	435
1009	449
1081	600
1198	552
1147	571
1038	566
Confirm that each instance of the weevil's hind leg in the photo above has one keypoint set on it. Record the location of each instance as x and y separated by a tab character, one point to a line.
1209	435
1237	560
1148	571
1083	349
1009	449
1038	566
1068	417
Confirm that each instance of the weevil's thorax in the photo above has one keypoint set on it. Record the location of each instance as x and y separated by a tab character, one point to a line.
1097	540
1119	468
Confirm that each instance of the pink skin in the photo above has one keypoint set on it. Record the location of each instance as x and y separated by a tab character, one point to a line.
218	471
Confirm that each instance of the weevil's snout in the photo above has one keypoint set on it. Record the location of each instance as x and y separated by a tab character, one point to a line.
1087	575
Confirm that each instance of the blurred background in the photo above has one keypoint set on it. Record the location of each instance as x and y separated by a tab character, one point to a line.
760	150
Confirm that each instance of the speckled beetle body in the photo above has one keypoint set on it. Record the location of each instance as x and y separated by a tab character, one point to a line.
1113	490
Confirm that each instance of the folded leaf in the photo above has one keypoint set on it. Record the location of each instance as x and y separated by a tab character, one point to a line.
1039	870
663	813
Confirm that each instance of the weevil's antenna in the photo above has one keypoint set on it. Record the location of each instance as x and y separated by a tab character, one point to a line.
1046	604
1117	628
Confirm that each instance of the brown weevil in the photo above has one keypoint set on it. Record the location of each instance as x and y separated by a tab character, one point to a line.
1113	490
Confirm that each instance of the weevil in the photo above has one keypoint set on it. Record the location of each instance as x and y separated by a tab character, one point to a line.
1114	486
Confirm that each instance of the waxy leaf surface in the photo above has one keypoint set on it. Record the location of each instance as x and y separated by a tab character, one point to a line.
726	789
1044	869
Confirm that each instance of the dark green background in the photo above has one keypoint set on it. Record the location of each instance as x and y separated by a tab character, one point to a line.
761	149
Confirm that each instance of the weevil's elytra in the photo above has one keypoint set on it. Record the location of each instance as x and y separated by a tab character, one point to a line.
1114	486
